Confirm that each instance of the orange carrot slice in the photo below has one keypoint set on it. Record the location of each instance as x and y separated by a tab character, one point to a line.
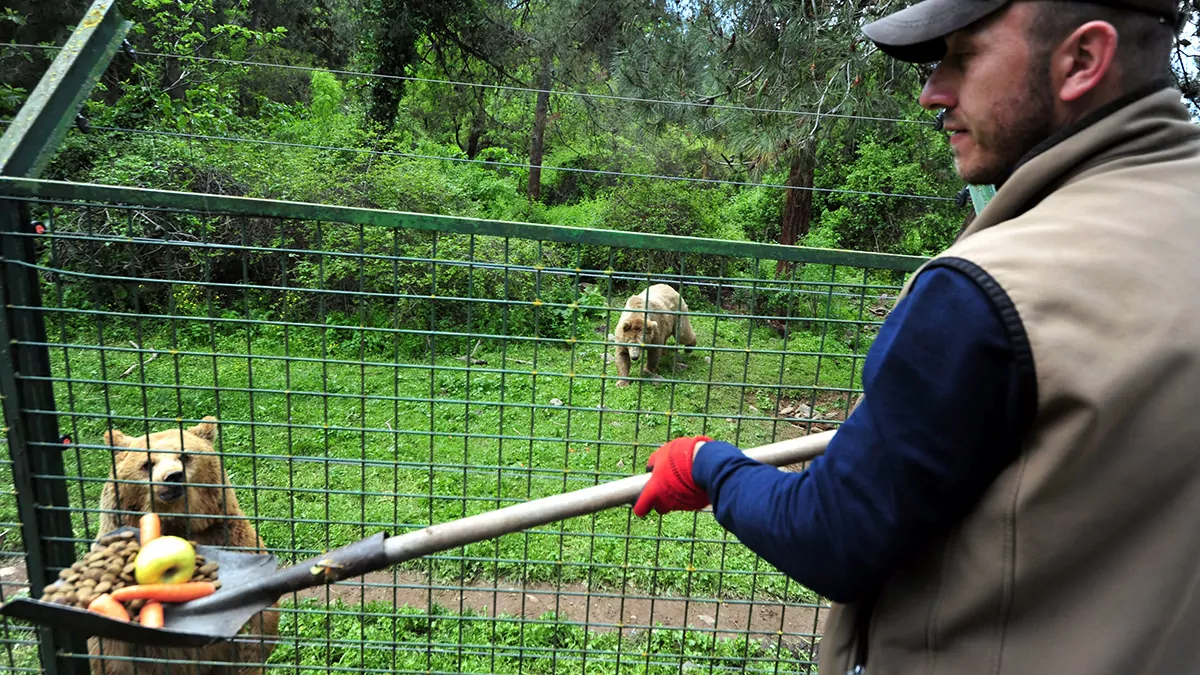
152	614
109	606
184	592
150	528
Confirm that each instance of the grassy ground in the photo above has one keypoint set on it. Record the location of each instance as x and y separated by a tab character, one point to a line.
329	437
338	441
409	641
319	638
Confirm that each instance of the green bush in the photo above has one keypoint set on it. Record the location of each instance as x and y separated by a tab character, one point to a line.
753	213
661	207
902	163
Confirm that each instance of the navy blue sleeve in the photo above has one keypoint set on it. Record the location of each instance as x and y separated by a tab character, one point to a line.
949	391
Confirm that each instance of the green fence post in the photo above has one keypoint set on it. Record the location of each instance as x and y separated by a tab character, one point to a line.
32	425
34	134
981	195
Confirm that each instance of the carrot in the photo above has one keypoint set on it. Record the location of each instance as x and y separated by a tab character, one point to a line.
184	592
107	605
151	528
152	614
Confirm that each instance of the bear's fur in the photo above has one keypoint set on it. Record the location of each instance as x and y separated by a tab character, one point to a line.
646	322
184	469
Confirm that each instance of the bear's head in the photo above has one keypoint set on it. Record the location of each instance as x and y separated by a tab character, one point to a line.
171	472
634	331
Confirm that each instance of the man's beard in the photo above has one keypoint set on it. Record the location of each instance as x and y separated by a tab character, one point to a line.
1029	121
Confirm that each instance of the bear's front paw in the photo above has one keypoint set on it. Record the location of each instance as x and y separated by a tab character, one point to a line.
622	383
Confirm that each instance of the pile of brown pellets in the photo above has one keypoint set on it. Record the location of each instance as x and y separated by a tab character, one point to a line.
109	568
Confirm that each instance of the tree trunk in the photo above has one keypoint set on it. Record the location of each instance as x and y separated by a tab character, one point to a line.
797	210
397	27
172	74
540	111
478	120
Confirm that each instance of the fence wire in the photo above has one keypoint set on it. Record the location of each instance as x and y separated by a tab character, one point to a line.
394	374
26	50
18	643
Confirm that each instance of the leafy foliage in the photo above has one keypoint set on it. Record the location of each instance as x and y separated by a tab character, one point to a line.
333	137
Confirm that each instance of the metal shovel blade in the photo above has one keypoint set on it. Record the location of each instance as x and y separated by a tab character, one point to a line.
237	569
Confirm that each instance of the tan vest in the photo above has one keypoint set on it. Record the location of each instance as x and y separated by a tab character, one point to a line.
1083	556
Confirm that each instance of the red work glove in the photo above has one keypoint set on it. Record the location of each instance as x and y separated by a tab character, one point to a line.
671	487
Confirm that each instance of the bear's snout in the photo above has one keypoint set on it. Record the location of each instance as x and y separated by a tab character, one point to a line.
173	491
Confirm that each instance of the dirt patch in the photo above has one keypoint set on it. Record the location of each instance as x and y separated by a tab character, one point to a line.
599	610
13	578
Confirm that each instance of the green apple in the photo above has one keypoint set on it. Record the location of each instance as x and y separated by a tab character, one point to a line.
165	560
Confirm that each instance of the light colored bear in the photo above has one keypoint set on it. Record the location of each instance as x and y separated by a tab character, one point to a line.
647	321
185	472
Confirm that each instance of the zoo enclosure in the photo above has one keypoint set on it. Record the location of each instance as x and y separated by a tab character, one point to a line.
375	370
337	370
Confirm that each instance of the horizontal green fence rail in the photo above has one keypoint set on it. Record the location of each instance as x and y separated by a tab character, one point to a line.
250	206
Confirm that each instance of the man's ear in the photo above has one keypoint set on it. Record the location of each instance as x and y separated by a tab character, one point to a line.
1084	60
207	429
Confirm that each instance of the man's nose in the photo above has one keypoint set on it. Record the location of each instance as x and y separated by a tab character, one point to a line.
937	92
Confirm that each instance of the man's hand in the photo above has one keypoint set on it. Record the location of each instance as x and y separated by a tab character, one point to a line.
671	487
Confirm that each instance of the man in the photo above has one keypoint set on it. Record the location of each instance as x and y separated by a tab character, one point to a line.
1018	492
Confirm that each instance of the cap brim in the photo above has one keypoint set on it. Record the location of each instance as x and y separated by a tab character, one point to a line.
917	33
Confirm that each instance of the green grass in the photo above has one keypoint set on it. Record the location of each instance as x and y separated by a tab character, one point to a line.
323	466
319	638
19	653
380	638
330	435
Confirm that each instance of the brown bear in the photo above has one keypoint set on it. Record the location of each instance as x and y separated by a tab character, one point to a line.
646	322
185	471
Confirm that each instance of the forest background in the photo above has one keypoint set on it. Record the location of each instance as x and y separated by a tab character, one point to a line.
731	99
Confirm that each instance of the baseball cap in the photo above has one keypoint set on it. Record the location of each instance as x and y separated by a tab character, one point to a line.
916	33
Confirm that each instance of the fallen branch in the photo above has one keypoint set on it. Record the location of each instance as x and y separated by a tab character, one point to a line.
138	364
470	358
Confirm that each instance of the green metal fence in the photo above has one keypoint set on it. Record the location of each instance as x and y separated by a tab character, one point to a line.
384	371
18	646
375	370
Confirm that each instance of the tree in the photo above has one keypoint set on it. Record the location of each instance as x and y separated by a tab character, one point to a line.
571	42
31	22
769	55
1185	62
396	28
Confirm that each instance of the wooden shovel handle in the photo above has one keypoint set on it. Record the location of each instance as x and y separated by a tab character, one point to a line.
518	517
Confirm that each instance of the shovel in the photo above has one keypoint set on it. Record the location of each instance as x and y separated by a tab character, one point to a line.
250	582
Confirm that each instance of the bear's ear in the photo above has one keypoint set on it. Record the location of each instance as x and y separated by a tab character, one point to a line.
116	438
207	429
652	326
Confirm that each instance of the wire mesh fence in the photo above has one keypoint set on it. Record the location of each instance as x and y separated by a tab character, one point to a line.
18	644
372	370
